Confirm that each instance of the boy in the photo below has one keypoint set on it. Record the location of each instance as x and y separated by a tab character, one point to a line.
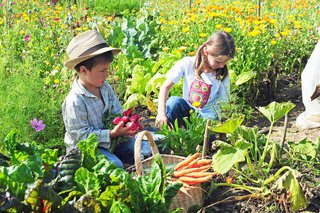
91	96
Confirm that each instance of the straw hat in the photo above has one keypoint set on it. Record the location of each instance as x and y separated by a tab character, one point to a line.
86	45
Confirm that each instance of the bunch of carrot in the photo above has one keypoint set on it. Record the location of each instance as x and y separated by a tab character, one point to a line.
193	171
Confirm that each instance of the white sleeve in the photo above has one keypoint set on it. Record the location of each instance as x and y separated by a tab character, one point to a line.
224	90
178	70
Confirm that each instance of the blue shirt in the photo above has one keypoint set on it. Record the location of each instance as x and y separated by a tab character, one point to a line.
83	114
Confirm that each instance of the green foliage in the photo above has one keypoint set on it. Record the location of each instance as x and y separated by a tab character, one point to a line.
183	141
243	155
112	7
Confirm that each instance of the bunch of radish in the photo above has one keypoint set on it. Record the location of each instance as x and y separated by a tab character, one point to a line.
129	120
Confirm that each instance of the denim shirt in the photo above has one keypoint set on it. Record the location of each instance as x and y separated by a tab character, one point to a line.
83	114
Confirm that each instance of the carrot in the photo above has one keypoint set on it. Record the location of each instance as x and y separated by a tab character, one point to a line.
203	162
186	161
190	165
194	181
186	171
200	174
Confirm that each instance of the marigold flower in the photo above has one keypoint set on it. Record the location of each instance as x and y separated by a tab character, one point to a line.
203	35
218	26
227	29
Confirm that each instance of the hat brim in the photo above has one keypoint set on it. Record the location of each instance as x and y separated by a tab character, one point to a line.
71	63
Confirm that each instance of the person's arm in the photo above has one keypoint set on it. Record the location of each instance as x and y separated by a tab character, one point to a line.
162	99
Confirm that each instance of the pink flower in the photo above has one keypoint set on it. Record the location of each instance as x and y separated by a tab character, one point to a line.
37	125
27	38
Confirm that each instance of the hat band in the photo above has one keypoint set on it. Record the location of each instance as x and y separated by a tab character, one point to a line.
93	49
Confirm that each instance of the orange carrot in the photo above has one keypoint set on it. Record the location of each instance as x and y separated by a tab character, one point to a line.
190	165
200	174
203	162
194	181
186	171
186	161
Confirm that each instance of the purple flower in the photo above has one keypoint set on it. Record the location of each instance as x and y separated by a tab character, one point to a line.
27	38
37	125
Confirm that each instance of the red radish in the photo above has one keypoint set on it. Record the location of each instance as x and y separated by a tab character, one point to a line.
139	126
125	119
127	112
116	120
134	117
132	125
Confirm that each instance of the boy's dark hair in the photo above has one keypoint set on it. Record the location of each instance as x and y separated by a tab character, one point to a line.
106	57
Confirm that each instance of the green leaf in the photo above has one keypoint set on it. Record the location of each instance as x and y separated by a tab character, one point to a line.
134	100
244	77
88	148
227	156
289	182
304	147
87	182
119	207
274	111
228	126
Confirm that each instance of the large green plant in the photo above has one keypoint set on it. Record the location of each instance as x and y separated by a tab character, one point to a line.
246	154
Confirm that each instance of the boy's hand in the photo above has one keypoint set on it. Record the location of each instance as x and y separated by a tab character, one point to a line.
120	130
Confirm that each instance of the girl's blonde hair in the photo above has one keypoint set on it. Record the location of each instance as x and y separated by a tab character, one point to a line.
219	45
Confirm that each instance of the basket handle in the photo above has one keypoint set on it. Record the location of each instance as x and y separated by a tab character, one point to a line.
137	150
206	139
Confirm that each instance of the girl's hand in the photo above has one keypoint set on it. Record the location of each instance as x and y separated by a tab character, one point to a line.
119	131
161	119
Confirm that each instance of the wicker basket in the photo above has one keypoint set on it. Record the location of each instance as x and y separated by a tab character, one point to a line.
195	194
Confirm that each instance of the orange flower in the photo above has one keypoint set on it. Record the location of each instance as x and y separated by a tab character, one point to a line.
229	180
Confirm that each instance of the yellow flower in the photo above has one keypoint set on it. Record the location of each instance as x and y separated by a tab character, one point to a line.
182	48
56	81
254	33
203	35
285	33
85	28
191	53
196	104
162	20
22	32
227	29
218	26
273	42
185	30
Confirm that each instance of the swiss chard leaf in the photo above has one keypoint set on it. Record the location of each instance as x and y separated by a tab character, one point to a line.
87	182
119	207
88	149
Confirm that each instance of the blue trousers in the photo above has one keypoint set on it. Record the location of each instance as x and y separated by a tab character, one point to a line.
124	152
177	108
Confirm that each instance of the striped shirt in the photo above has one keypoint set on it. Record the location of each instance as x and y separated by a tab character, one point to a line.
83	114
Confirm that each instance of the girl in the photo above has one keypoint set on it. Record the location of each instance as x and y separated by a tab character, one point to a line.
205	81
